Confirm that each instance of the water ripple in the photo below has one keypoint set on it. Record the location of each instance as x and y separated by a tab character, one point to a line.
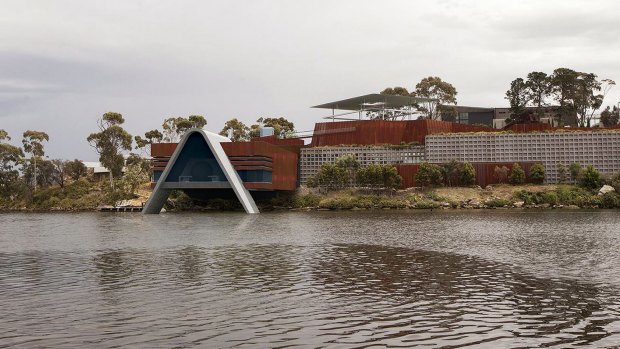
275	295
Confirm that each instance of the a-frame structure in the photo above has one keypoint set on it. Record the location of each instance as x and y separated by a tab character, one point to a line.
199	162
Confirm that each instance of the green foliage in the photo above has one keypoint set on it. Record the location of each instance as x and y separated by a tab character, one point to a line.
468	174
501	174
309	200
429	175
562	173
615	182
175	127
10	182
150	137
459	173
610	117
238	131
110	142
537	173
145	164
47	173
396	91
346	172
33	142
351	166
379	176
575	171
135	175
330	176
438	91
590	178
337	203
282	127
178	201
77	195
609	200
4	135
518	97
517	175
496	202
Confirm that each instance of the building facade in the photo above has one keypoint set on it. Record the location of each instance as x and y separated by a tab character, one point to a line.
311	159
600	149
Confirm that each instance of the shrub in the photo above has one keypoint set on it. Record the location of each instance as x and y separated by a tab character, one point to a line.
379	176
609	200
562	175
495	202
537	173
517	175
429	175
468	174
392	203
501	174
309	200
590	178
336	203
615	182
331	176
550	198
575	171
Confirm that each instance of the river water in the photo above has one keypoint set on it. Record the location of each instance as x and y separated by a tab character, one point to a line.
431	279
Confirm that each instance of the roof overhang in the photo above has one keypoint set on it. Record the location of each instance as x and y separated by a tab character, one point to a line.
374	101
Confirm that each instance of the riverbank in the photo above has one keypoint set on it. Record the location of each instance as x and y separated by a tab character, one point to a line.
492	197
89	196
77	196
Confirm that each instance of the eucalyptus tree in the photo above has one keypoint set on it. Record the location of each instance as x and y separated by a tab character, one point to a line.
438	91
150	137
610	117
236	130
175	127
518	97
110	143
282	127
538	88
33	145
10	156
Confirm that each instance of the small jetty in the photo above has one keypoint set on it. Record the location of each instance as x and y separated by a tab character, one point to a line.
120	209
121	206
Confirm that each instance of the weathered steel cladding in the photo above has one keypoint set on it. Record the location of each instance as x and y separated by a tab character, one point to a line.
485	172
367	132
283	163
253	155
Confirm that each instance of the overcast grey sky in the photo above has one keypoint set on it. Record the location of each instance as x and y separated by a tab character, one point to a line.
64	63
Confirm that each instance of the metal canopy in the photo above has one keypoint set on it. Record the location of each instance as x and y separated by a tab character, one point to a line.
374	101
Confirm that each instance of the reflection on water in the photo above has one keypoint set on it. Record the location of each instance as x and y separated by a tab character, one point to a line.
319	296
231	290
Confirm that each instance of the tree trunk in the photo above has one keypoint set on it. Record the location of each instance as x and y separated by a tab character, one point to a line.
111	180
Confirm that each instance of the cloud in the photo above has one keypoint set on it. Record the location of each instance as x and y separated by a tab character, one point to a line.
64	63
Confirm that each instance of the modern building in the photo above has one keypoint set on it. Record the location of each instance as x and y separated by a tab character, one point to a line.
206	165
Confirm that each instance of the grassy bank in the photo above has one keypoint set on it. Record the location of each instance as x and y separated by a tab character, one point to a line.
501	196
80	195
84	195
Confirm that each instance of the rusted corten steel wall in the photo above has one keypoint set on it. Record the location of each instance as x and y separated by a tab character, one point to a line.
279	141
283	163
290	144
369	132
485	172
247	156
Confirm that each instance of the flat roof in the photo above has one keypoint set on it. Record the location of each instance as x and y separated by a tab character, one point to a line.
374	100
